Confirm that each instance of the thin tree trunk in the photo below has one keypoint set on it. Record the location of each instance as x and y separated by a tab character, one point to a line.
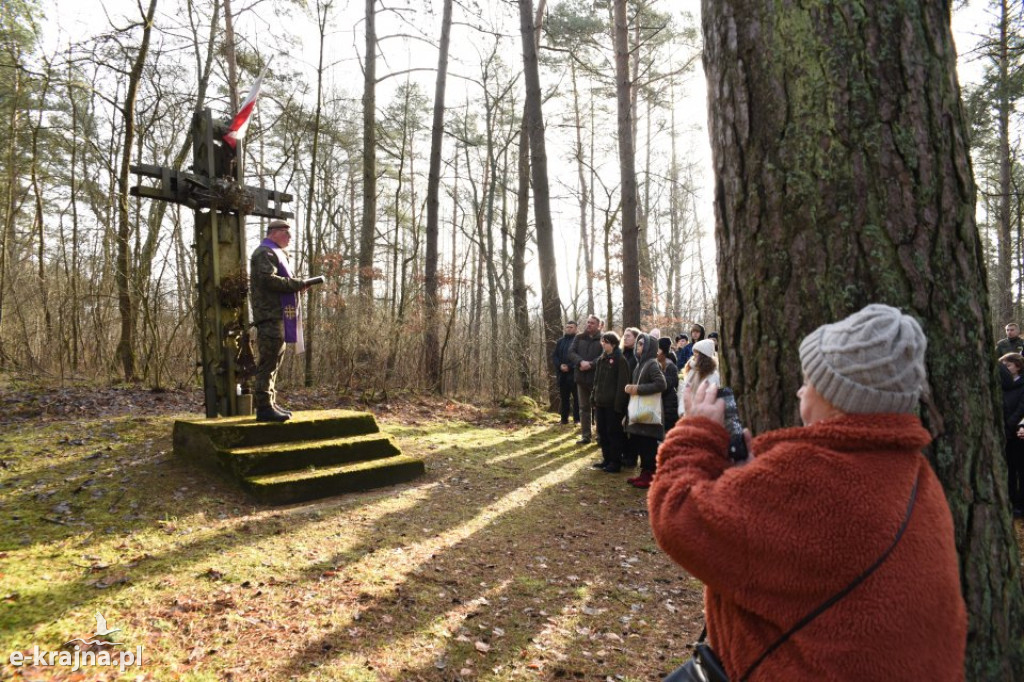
369	227
1004	283
550	303
126	344
849	184
431	341
310	322
631	304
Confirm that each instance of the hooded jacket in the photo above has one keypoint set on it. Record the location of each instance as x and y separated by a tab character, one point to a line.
649	379
610	378
776	537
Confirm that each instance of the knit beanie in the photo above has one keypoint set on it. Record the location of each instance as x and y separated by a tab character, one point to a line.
871	362
705	347
665	344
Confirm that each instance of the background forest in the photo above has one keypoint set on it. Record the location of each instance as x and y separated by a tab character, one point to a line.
97	284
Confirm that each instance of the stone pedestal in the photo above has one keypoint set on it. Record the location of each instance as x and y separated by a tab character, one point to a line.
314	454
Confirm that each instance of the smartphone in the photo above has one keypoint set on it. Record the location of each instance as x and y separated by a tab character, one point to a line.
737	443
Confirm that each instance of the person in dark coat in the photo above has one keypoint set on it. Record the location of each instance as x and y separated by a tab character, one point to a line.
562	364
669	397
610	400
696	334
1011	373
584	352
629	337
648	379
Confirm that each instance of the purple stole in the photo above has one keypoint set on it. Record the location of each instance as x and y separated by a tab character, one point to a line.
292	311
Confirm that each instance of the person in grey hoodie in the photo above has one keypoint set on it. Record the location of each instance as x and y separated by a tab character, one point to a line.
647	379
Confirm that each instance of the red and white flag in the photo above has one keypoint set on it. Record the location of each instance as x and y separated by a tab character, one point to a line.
240	123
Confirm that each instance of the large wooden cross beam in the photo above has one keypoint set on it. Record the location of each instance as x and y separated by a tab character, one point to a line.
214	191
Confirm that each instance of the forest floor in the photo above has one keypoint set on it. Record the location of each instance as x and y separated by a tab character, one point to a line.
511	559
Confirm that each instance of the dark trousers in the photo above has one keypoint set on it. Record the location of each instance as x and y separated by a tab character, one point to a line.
1015	466
629	453
270	342
610	435
647	449
567	393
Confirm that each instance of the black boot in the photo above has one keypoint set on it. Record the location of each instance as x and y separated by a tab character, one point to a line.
269	414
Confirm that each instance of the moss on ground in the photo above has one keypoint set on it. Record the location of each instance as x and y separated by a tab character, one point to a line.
511	559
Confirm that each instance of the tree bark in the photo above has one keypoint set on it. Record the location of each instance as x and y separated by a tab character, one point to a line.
550	303
631	307
369	227
431	338
126	344
842	179
312	264
1004	281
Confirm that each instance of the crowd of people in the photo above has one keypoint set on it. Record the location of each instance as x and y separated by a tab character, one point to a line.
601	372
1010	352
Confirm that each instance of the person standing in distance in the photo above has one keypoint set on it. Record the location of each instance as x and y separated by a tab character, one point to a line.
584	352
564	372
275	313
1013	343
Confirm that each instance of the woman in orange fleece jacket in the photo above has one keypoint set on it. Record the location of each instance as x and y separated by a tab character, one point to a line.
776	536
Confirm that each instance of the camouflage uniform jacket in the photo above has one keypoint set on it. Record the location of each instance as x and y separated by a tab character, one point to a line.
266	286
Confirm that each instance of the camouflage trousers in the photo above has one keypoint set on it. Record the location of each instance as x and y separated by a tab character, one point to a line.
270	344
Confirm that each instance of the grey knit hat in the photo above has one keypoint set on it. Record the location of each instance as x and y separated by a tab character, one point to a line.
870	362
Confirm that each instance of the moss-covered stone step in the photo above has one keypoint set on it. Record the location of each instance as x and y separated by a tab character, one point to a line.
235	432
268	459
311	484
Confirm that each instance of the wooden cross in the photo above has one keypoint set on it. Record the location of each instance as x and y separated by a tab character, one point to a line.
214	191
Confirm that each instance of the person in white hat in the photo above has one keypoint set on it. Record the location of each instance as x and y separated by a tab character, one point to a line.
702	366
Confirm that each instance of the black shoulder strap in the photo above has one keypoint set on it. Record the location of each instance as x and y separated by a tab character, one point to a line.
831	601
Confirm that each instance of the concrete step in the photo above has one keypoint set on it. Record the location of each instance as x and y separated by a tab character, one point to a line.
310	484
314	454
279	457
240	432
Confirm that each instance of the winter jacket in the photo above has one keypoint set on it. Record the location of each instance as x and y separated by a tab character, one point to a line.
610	379
561	357
689	384
669	397
585	348
1009	346
684	354
1013	401
649	379
266	286
774	538
630	356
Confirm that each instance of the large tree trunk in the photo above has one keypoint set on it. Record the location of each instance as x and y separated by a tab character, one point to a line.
550	302
126	344
843	178
369	227
431	339
627	169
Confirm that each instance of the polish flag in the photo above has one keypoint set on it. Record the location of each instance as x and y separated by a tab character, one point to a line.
240	123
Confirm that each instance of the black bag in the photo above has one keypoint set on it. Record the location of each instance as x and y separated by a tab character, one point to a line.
705	665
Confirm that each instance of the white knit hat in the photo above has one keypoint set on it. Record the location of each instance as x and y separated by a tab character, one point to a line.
705	347
870	362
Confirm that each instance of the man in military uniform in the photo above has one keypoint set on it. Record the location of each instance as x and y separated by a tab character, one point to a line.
1013	343
274	295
